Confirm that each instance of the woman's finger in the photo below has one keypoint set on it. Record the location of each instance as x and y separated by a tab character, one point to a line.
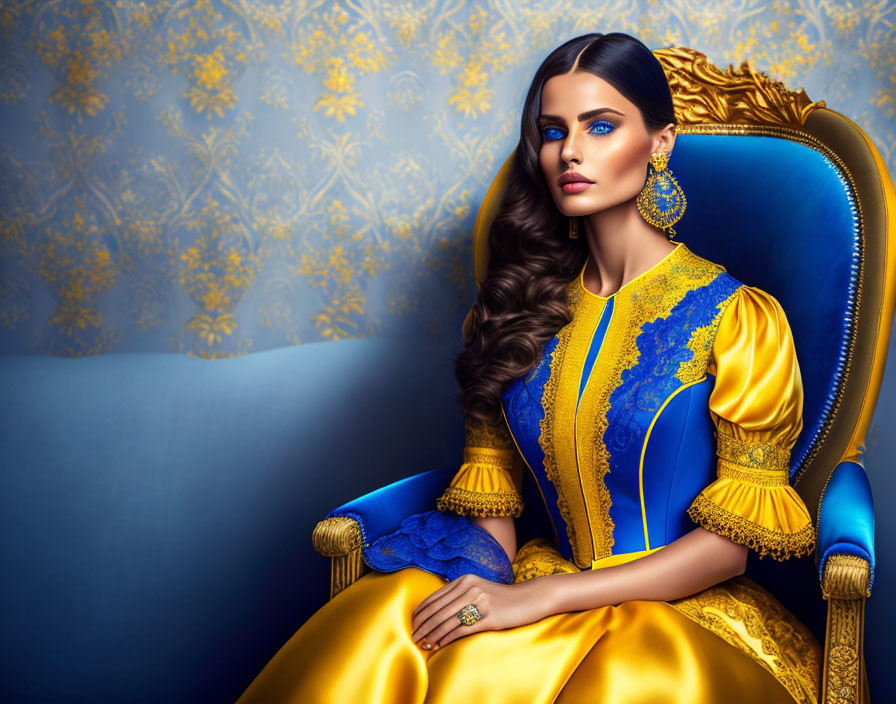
459	632
465	580
434	616
452	628
437	595
432	608
446	620
436	601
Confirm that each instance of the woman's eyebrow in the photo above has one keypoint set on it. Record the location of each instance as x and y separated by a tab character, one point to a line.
584	116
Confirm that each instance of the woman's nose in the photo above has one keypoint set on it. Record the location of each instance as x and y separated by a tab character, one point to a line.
570	152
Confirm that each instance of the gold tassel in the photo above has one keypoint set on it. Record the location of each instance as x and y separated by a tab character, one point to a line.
345	570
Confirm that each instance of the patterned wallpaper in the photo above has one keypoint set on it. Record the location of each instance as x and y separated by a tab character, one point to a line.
214	178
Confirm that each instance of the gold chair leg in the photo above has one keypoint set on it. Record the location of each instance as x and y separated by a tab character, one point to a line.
340	538
845	587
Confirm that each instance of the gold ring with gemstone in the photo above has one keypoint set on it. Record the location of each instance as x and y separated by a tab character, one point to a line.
468	615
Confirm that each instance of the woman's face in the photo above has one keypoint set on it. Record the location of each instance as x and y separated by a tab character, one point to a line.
588	127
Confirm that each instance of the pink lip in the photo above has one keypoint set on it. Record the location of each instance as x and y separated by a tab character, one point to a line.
572	177
576	186
572	182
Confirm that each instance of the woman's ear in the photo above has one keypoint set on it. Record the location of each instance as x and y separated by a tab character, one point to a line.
665	139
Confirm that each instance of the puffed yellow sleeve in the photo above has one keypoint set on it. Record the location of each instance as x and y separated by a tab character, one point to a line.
488	482
757	408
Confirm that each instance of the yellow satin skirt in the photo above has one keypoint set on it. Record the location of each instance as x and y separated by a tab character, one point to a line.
731	643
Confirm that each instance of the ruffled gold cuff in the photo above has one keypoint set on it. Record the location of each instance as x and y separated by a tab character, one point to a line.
483	485
755	505
481	504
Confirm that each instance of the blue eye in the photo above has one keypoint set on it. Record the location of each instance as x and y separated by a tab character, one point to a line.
601	124
600	127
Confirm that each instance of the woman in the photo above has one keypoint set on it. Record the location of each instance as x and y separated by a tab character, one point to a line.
653	397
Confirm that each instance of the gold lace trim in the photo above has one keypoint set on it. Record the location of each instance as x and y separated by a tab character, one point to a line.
700	344
480	503
746	454
548	423
777	640
539	557
590	460
502	459
481	434
748	475
765	541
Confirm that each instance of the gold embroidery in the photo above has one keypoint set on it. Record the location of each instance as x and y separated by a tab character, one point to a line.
748	475
480	434
502	459
539	557
548	424
701	345
749	618
749	454
845	586
846	619
765	541
480	503
591	523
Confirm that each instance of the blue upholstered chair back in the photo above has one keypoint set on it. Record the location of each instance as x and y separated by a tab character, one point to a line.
779	214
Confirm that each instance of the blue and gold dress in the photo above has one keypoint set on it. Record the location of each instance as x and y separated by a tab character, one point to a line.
672	403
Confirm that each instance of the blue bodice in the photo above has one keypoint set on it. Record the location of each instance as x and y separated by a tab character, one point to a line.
614	422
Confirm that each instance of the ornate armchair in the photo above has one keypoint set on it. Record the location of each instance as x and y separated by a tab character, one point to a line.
794	198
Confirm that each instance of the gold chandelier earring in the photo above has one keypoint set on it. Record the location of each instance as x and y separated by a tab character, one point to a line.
573	228
661	202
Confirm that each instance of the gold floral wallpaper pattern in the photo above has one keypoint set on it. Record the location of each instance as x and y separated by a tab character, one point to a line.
214	178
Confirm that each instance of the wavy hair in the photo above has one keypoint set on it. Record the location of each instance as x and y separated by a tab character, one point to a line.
522	301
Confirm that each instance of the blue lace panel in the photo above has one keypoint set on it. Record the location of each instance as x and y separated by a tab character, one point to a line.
662	345
445	544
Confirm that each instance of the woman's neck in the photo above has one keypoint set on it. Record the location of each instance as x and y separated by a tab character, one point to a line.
621	246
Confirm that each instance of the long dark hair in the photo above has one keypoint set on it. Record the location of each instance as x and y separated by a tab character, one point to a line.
522	302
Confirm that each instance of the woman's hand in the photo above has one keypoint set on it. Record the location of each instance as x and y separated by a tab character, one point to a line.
435	621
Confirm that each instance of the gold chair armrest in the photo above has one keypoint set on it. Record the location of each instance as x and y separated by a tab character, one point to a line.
845	586
337	536
340	539
846	577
